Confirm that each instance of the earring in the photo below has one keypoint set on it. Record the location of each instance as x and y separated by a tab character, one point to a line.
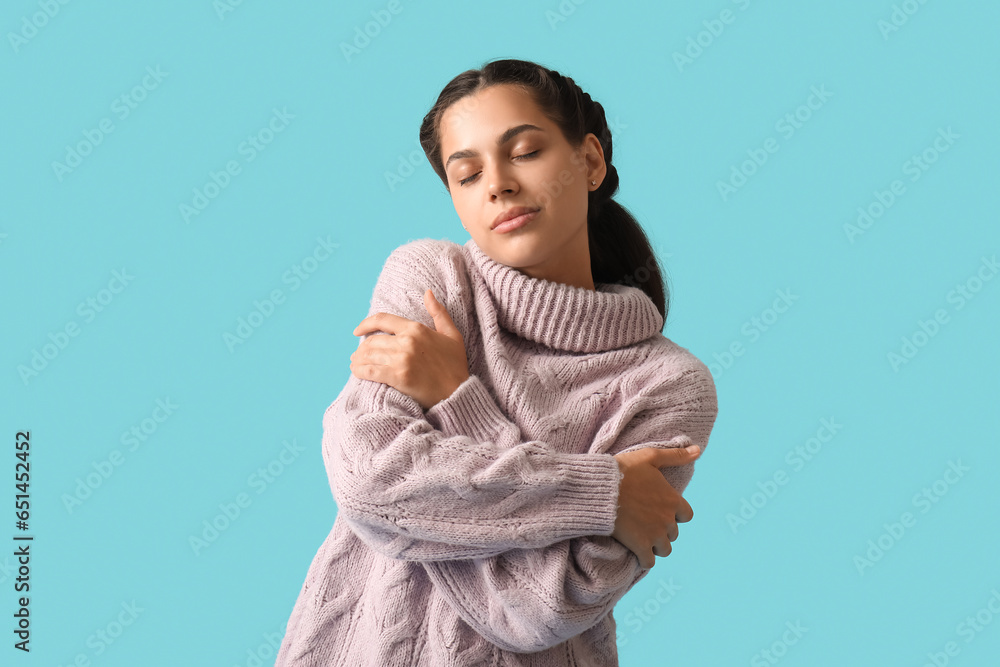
593	182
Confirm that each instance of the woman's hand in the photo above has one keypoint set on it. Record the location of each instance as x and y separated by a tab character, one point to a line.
423	363
649	508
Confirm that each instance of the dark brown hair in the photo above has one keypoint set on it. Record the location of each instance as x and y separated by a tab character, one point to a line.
619	249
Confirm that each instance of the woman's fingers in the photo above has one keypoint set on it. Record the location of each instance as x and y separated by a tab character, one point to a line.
674	456
386	322
378	350
662	549
684	511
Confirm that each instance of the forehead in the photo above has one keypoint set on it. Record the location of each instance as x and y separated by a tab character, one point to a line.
478	119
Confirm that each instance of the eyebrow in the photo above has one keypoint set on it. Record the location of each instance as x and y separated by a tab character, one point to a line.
507	135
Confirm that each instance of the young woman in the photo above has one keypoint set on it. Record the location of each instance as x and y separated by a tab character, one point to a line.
509	451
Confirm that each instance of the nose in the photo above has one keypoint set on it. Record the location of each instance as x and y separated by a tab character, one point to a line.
501	182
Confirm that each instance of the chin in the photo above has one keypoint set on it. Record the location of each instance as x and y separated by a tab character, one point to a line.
521	252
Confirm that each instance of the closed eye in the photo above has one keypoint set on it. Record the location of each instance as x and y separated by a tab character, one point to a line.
517	157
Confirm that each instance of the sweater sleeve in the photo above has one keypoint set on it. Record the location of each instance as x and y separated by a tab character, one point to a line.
407	487
528	600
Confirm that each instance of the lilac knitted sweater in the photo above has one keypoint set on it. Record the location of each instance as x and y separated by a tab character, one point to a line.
478	532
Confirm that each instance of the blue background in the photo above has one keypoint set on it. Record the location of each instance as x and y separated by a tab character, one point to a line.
681	127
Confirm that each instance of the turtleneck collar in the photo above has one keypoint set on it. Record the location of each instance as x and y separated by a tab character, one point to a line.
566	317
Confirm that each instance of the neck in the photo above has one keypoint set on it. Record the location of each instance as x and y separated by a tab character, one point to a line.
569	264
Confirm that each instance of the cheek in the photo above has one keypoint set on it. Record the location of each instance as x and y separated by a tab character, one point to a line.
462	202
566	178
464	208
569	189
575	202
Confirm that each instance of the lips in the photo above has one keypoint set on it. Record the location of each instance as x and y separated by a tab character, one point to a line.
512	213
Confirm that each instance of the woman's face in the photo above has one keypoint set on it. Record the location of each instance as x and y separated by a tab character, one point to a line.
500	152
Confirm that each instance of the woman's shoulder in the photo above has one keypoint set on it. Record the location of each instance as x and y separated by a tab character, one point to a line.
435	259
670	366
428	248
439	264
669	353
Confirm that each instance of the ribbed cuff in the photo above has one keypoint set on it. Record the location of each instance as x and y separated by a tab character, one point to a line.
471	411
587	501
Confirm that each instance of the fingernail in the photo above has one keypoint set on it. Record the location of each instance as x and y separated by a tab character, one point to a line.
694	449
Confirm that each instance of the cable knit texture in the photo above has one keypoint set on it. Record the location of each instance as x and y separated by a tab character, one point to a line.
478	532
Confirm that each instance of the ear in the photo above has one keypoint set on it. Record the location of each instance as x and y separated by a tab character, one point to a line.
597	168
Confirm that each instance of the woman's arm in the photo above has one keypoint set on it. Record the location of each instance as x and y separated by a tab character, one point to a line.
415	492
658	425
527	600
470	488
